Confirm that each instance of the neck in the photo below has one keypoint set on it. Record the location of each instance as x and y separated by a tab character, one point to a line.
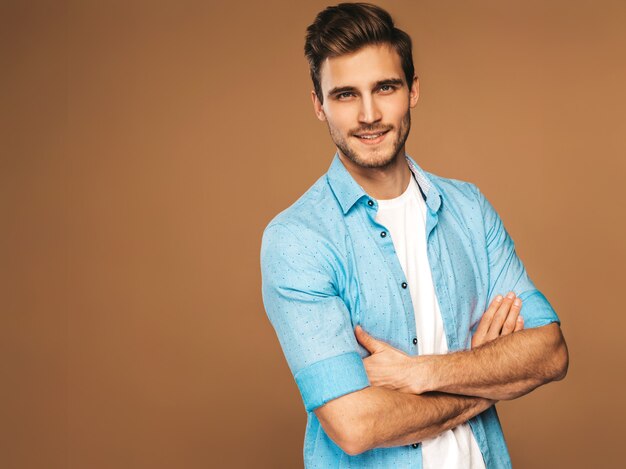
381	183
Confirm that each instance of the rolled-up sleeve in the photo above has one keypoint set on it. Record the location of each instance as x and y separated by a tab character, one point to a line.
311	321
507	272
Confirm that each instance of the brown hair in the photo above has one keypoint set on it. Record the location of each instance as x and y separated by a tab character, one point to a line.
347	27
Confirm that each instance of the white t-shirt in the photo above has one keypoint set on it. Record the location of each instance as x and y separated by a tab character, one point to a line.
405	220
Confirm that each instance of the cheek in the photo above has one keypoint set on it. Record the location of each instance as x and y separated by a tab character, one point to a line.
396	111
341	118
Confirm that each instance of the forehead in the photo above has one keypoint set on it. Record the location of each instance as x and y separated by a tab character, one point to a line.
361	68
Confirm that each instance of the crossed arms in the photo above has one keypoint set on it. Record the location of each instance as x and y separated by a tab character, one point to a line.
389	398
418	397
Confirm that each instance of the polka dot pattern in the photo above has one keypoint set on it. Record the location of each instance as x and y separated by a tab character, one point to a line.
326	268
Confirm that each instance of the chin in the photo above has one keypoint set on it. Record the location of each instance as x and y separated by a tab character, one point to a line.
372	160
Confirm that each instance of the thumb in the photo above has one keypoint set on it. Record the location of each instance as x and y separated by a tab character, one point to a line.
367	341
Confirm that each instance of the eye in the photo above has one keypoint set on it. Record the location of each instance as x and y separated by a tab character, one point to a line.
344	95
387	88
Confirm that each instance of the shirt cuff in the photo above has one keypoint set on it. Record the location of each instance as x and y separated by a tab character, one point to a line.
536	310
331	378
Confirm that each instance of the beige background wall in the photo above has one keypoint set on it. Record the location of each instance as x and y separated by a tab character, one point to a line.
144	146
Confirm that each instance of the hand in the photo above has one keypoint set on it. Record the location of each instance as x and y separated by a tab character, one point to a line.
387	366
501	318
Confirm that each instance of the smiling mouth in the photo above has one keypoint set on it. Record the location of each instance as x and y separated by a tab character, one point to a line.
372	137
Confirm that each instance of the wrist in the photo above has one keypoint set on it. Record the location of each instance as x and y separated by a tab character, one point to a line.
443	372
433	369
424	374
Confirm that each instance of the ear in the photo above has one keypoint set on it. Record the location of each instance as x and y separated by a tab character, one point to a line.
317	106
414	92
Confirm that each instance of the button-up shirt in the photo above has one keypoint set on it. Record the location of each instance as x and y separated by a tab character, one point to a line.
327	265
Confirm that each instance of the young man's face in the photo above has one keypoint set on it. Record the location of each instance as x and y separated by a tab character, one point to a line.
367	105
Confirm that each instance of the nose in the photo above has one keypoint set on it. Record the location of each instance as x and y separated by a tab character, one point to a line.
369	112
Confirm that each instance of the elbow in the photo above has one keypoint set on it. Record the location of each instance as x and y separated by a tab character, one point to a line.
560	358
352	447
350	437
347	427
554	365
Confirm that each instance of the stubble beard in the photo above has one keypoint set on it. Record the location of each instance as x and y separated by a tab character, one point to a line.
376	159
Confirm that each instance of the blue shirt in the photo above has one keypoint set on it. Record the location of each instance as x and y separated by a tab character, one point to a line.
327	265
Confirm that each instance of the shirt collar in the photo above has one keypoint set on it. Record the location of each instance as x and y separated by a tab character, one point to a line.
349	192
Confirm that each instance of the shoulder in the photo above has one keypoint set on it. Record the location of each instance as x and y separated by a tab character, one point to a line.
456	190
463	201
312	225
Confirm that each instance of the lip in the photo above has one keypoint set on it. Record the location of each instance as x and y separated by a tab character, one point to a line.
372	141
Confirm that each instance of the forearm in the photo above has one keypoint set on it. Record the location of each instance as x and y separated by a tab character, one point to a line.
505	368
378	417
414	420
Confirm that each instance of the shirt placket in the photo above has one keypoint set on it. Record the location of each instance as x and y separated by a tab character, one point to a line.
382	238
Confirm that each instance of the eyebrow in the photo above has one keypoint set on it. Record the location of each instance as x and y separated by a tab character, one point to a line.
386	81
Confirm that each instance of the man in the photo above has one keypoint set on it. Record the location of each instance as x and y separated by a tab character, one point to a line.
377	279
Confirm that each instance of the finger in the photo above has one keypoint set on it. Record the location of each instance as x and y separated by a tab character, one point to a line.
485	321
497	322
478	338
511	320
367	341
519	325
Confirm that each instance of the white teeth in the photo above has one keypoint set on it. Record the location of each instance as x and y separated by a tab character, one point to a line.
371	137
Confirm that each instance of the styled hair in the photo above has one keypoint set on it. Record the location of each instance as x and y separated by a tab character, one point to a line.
346	28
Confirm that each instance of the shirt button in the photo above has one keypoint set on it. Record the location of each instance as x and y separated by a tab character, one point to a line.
404	285
415	445
370	203
414	340
383	234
